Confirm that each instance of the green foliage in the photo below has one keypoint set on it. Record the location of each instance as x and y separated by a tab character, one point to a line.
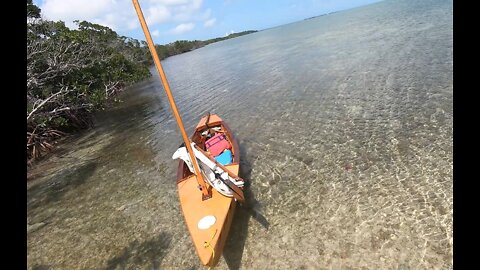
32	10
73	73
182	46
234	35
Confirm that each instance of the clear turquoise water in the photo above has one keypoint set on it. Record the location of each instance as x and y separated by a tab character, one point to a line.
345	127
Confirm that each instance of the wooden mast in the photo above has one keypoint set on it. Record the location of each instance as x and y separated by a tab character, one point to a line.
205	191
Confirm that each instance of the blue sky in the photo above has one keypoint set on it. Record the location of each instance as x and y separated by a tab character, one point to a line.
171	20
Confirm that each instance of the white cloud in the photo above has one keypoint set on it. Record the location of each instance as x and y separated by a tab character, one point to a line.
196	4
170	2
73	9
155	33
132	23
187	12
120	15
157	14
210	22
182	28
206	14
117	15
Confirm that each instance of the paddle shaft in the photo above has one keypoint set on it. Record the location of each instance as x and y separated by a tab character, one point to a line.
166	87
229	183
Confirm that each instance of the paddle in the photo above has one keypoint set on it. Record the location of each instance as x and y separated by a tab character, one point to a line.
249	208
237	192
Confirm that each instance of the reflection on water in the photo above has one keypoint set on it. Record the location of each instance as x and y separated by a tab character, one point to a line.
345	128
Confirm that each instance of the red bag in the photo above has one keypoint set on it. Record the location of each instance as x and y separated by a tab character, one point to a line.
217	144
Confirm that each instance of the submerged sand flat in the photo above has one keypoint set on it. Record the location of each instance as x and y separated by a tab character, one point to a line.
345	126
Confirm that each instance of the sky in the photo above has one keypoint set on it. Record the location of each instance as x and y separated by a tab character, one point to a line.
171	20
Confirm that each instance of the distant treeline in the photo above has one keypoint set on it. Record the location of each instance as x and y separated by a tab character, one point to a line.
182	46
73	73
325	14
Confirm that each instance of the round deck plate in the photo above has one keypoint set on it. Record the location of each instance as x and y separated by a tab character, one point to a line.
206	222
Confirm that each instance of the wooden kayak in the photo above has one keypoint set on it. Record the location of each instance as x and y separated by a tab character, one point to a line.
208	221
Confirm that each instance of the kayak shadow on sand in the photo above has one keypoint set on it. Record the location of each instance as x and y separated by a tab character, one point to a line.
238	234
252	206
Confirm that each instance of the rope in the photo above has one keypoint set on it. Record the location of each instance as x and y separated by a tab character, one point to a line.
207	245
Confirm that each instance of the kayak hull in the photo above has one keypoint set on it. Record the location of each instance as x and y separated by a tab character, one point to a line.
209	239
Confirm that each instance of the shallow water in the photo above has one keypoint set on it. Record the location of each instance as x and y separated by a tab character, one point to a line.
345	126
